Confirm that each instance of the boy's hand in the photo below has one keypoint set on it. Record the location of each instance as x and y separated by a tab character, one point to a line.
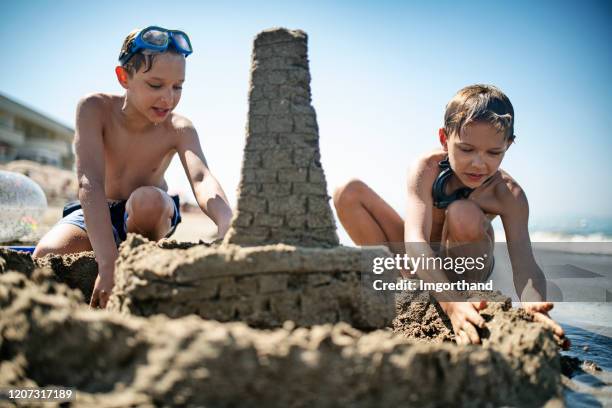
540	310
465	318
102	289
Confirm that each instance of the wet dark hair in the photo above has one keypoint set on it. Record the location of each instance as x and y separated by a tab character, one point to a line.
480	103
142	57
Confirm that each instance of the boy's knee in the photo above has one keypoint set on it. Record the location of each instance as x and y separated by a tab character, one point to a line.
42	250
349	193
465	221
62	239
147	206
54	248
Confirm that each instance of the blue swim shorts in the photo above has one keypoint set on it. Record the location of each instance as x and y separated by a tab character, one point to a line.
73	214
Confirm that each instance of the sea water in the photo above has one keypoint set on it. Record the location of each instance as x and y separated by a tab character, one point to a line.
587	324
591	342
22	206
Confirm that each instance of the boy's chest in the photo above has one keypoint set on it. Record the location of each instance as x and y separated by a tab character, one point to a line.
137	155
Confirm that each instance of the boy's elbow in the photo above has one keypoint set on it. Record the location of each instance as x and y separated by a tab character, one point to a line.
88	186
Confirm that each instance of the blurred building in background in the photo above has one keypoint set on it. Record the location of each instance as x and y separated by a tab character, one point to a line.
26	134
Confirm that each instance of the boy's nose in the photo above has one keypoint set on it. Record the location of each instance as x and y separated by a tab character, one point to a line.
478	161
168	97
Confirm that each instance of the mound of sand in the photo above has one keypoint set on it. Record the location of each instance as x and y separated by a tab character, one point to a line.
50	337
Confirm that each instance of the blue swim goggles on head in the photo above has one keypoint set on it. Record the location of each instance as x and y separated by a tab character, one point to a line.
157	39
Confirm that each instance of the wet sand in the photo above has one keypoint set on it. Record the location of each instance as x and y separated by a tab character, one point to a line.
119	357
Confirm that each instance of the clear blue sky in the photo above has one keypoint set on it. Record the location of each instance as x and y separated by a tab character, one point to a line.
382	74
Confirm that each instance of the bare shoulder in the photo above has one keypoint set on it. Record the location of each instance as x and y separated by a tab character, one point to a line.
428	163
509	192
97	106
90	114
97	101
183	131
180	123
426	166
424	171
507	186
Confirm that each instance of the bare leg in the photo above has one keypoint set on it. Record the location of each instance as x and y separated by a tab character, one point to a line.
366	217
150	212
467	232
63	239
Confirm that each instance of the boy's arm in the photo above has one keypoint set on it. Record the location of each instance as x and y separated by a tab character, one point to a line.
89	149
529	280
464	316
205	187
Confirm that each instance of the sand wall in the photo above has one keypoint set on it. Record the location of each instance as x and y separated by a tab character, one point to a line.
262	286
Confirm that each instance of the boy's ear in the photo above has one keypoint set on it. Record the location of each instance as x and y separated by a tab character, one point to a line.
122	76
509	142
443	138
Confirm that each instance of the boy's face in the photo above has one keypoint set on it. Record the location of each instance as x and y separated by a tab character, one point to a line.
156	93
476	153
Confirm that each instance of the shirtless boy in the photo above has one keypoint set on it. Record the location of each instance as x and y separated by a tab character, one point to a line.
123	146
453	194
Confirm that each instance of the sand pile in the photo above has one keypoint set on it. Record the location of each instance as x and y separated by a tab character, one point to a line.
50	337
78	271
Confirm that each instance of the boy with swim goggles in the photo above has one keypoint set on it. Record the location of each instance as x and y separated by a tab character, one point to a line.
157	39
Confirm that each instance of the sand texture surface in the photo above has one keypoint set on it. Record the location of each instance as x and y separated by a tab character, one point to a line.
116	358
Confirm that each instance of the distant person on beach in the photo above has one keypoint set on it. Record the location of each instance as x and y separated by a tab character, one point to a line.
123	145
453	195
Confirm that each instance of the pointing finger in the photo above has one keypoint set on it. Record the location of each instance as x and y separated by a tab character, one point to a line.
550	323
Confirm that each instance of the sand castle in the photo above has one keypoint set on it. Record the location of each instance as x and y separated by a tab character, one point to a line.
280	260
282	194
293	324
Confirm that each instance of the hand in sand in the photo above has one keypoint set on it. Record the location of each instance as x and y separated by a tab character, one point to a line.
540	310
102	290
465	318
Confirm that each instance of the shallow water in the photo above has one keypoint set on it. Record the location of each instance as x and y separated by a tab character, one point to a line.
588	325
